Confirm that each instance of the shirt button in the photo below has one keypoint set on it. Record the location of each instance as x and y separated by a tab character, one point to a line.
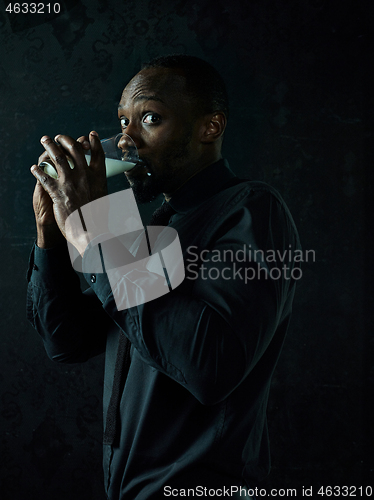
93	278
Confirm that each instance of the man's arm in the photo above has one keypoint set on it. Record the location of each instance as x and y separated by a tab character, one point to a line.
72	324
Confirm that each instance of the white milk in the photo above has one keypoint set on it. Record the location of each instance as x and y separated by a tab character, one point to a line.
113	167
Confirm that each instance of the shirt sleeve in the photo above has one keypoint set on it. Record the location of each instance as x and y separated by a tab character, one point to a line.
72	324
211	331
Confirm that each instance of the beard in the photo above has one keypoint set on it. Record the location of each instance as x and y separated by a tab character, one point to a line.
149	188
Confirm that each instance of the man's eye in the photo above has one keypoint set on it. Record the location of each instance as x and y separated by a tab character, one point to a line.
124	122
151	118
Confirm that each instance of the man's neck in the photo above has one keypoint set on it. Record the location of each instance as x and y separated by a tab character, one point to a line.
202	167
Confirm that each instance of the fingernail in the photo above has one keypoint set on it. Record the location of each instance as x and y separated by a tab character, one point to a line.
44	138
94	133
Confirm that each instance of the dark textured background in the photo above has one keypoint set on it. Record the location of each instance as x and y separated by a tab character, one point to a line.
298	75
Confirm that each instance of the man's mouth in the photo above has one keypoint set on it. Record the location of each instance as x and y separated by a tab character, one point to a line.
140	166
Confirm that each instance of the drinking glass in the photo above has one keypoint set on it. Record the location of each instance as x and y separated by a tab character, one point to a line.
120	151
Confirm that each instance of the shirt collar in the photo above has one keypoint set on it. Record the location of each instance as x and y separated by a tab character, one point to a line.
205	184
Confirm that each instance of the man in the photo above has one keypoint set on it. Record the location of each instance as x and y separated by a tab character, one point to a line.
186	406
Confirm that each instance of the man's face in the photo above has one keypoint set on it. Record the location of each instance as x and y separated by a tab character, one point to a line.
156	112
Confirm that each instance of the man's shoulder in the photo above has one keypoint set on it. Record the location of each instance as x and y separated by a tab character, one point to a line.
259	201
241	192
253	186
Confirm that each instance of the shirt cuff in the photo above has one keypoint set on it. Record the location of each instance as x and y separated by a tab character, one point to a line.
93	269
50	267
99	284
104	253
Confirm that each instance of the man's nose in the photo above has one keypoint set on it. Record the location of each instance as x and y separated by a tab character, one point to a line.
125	141
132	131
128	146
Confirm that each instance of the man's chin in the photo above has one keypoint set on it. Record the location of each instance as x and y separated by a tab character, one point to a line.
145	192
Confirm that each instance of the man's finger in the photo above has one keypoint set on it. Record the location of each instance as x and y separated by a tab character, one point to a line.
47	182
84	141
56	154
44	157
73	149
97	153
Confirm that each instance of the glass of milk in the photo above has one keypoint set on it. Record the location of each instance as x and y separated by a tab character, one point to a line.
120	151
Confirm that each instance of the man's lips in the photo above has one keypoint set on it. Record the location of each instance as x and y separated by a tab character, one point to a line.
139	166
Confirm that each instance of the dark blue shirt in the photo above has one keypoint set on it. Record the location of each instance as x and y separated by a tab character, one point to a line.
193	408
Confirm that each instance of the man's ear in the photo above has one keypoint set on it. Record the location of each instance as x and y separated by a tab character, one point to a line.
214	127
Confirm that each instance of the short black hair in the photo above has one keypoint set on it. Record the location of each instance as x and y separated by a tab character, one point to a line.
204	83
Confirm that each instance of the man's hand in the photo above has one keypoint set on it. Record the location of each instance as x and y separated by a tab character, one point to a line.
55	199
48	232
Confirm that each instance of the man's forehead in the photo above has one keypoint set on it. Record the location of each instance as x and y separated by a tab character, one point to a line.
160	84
